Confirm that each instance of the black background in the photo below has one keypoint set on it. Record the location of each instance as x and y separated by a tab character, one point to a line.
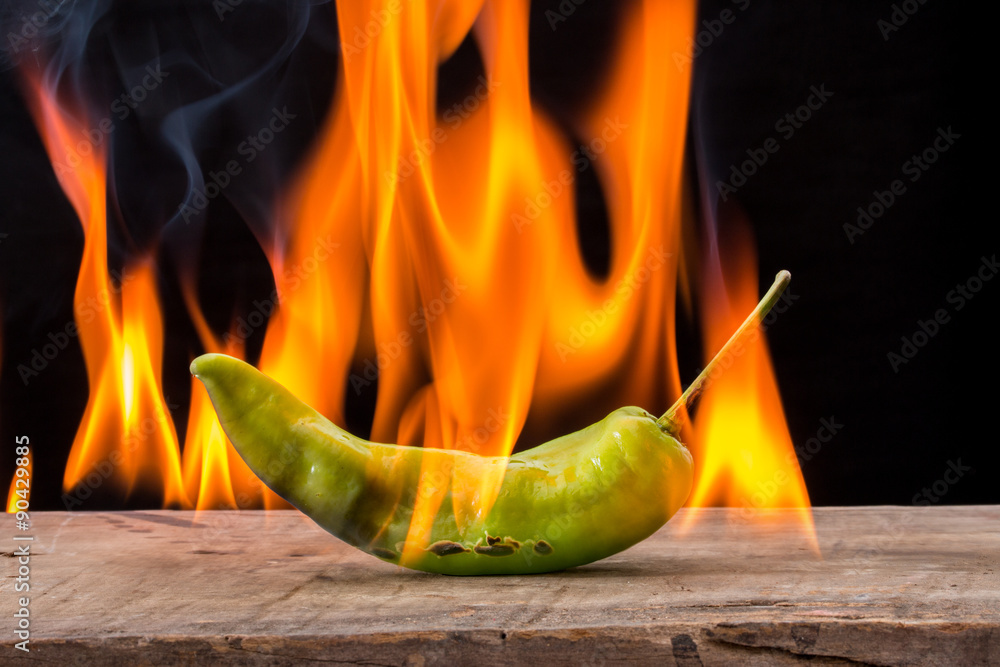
855	300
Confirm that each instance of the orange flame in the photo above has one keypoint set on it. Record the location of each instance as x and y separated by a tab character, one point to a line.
440	248
465	257
126	430
213	472
743	452
20	491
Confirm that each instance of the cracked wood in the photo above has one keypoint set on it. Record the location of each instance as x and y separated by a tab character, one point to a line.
894	586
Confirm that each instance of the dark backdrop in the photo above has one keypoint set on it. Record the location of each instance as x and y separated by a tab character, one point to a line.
887	90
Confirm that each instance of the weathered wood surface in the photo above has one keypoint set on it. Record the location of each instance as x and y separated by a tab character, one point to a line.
893	586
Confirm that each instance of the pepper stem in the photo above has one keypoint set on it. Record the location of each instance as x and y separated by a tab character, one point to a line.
672	420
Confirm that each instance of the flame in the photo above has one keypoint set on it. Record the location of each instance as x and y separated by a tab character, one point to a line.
213	471
10	494
435	253
743	452
16	493
126	430
126	422
455	235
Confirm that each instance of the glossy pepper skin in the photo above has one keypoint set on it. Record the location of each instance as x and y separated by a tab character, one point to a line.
568	502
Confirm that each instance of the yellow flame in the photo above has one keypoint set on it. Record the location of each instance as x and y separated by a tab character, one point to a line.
435	251
213	472
126	425
743	451
456	264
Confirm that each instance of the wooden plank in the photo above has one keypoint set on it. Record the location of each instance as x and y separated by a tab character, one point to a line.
892	586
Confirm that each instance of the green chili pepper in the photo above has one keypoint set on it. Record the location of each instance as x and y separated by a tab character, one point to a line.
568	502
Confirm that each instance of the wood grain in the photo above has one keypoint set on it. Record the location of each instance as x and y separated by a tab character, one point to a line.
890	586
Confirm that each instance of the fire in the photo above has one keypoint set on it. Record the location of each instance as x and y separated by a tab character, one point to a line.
207	462
435	253
213	472
743	452
126	432
126	424
20	492
466	248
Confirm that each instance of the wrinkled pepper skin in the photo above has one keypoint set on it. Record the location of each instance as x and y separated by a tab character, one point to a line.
571	501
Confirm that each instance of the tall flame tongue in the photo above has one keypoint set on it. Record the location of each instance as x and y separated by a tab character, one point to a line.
213	472
743	452
126	428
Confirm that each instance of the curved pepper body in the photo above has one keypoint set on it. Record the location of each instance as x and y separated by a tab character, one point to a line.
571	501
